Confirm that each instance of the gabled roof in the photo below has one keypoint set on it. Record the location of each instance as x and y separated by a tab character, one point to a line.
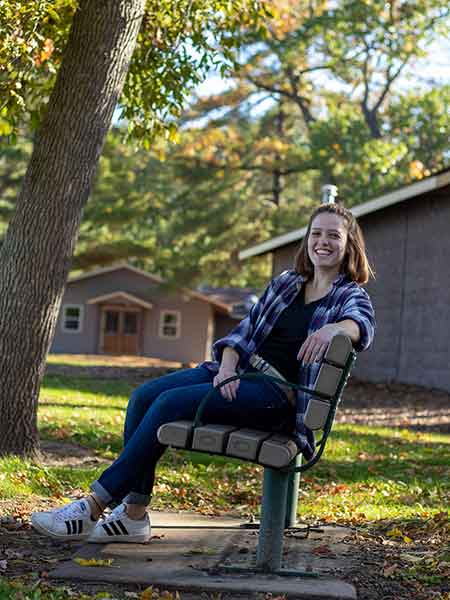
154	278
434	182
121	295
238	300
116	267
228	295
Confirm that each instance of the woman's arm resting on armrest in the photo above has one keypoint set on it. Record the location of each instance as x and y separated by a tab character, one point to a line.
315	345
230	359
350	328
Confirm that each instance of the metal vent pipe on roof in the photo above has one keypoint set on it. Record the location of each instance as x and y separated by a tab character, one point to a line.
329	193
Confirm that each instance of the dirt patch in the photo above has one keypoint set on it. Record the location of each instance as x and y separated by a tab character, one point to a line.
56	453
108	360
127	368
395	405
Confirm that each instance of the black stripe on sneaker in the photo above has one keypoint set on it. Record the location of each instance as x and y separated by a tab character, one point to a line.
69	530
106	528
114	528
74	527
122	527
80	526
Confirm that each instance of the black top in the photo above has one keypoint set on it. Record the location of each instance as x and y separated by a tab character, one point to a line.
281	346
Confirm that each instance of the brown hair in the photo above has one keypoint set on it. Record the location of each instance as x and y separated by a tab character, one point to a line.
356	264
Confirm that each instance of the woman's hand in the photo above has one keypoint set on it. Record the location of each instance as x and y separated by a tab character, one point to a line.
315	345
229	390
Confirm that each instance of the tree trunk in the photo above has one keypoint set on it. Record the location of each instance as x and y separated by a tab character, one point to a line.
37	250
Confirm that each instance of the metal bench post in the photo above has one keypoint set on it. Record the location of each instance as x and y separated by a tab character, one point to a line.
292	495
273	515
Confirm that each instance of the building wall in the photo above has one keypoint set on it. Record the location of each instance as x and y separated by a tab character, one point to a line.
196	316
283	258
193	344
223	324
409	246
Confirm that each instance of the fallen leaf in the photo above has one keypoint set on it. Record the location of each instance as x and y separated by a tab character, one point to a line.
94	562
322	550
147	594
395	532
412	558
407	539
201	551
390	570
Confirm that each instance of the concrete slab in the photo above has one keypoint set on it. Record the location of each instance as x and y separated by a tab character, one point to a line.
190	552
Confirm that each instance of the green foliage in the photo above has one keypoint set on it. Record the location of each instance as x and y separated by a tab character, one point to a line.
312	99
32	39
184	224
180	40
333	114
13	164
422	121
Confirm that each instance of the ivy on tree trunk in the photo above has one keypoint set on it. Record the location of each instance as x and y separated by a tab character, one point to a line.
36	254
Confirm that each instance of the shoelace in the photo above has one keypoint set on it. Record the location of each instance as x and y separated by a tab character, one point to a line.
119	511
70	511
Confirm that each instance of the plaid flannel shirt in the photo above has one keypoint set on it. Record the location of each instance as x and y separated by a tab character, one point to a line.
346	300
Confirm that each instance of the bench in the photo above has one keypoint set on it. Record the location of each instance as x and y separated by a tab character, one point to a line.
278	454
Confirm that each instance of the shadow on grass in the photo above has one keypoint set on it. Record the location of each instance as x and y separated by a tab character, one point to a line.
105	387
110	372
98	440
68	404
374	456
386	440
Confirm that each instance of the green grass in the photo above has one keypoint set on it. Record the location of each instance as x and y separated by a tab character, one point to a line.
90	412
367	473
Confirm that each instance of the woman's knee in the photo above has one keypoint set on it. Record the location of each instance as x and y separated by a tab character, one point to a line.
142	397
138	405
171	406
135	403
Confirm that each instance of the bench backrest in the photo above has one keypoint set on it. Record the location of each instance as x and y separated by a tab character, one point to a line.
330	376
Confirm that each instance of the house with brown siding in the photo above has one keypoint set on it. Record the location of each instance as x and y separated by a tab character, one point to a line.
407	234
124	310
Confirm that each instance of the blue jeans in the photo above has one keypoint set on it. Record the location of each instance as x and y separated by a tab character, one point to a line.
259	404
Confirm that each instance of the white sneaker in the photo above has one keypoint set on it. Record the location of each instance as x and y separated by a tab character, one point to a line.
118	527
71	522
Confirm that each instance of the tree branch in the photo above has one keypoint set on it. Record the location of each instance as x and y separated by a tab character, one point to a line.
300	100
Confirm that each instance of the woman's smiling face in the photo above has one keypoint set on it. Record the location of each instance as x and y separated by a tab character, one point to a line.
327	241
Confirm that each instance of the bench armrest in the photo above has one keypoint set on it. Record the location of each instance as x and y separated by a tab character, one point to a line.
330	419
250	376
332	399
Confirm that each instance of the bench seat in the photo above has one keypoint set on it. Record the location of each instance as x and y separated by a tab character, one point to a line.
262	447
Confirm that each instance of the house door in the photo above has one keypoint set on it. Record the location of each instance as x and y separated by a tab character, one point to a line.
120	330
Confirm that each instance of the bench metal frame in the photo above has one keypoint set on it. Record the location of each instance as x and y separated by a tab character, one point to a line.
280	486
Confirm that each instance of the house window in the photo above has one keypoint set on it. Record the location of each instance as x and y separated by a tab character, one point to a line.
72	318
170	324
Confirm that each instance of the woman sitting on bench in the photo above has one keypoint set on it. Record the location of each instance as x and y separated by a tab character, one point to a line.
286	332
